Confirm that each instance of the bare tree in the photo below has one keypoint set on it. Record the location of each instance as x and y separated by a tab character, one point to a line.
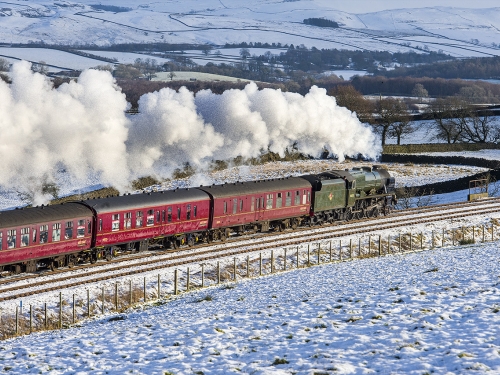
420	92
479	128
171	75
409	197
390	112
447	114
353	100
245	53
401	128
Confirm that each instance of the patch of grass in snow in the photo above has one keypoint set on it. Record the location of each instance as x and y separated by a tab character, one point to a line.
219	330
280	361
289	336
206	298
435	269
465	355
468	241
353	319
378	317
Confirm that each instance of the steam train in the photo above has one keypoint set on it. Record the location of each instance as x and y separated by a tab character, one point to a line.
86	231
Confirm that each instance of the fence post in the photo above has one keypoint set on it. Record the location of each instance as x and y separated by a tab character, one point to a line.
272	261
175	283
260	264
284	259
388	244
432	239
234	269
360	252
297	257
319	253
218	273
379	245
31	316
74	310
350	248
202	275
60	310
473	234
421	241
492	236
411	242
17	320
463	233
308	255
442	239
331	255
88	306
340	250
188	276
145	296
130	293
248	266
116	296
453	237
102	308
45	316
400	242
370	245
483	232
159	287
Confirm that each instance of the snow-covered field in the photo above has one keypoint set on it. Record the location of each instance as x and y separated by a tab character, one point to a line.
430	312
459	31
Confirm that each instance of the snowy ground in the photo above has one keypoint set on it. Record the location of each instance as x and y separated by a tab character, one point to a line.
430	312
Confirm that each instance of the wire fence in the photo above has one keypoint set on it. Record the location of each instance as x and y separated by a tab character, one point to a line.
67	310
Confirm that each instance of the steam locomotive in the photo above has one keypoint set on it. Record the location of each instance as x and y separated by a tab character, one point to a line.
86	231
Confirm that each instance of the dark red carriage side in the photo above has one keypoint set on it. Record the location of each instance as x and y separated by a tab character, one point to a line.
130	222
47	234
258	205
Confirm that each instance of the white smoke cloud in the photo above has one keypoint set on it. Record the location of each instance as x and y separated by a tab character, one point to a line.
82	127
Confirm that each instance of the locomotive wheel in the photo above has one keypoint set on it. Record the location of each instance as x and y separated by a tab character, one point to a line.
16	269
109	255
375	212
70	261
190	241
223	236
295	224
93	258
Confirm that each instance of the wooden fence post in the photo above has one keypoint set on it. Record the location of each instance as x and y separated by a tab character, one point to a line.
473	234
31	315
319	253
340	250
260	264
176	290
130	293
60	310
331	255
74	309
145	296
483	232
188	277
88	304
17	320
350	248
116	296
442	239
218	273
102	307
234	269
284	259
308	255
202	275
159	287
369	245
248	266
297	257
379	245
400	242
272	261
45	316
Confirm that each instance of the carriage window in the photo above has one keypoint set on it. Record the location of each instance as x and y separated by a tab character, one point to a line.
178	213
252	204
127	220
258	203
68	234
225	207
241	205
288	201
158	217
33	237
56	232
297	197
11	238
169	214
25	237
138	219
308	196
44	233
80	229
262	202
1	238
278	200
235	205
188	212
269	203
115	223
150	219
195	211
163	216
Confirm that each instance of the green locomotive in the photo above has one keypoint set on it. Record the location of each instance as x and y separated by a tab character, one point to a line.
351	194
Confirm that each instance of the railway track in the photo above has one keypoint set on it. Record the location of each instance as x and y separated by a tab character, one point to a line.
20	287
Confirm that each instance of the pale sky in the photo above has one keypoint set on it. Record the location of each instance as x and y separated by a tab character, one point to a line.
367	6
